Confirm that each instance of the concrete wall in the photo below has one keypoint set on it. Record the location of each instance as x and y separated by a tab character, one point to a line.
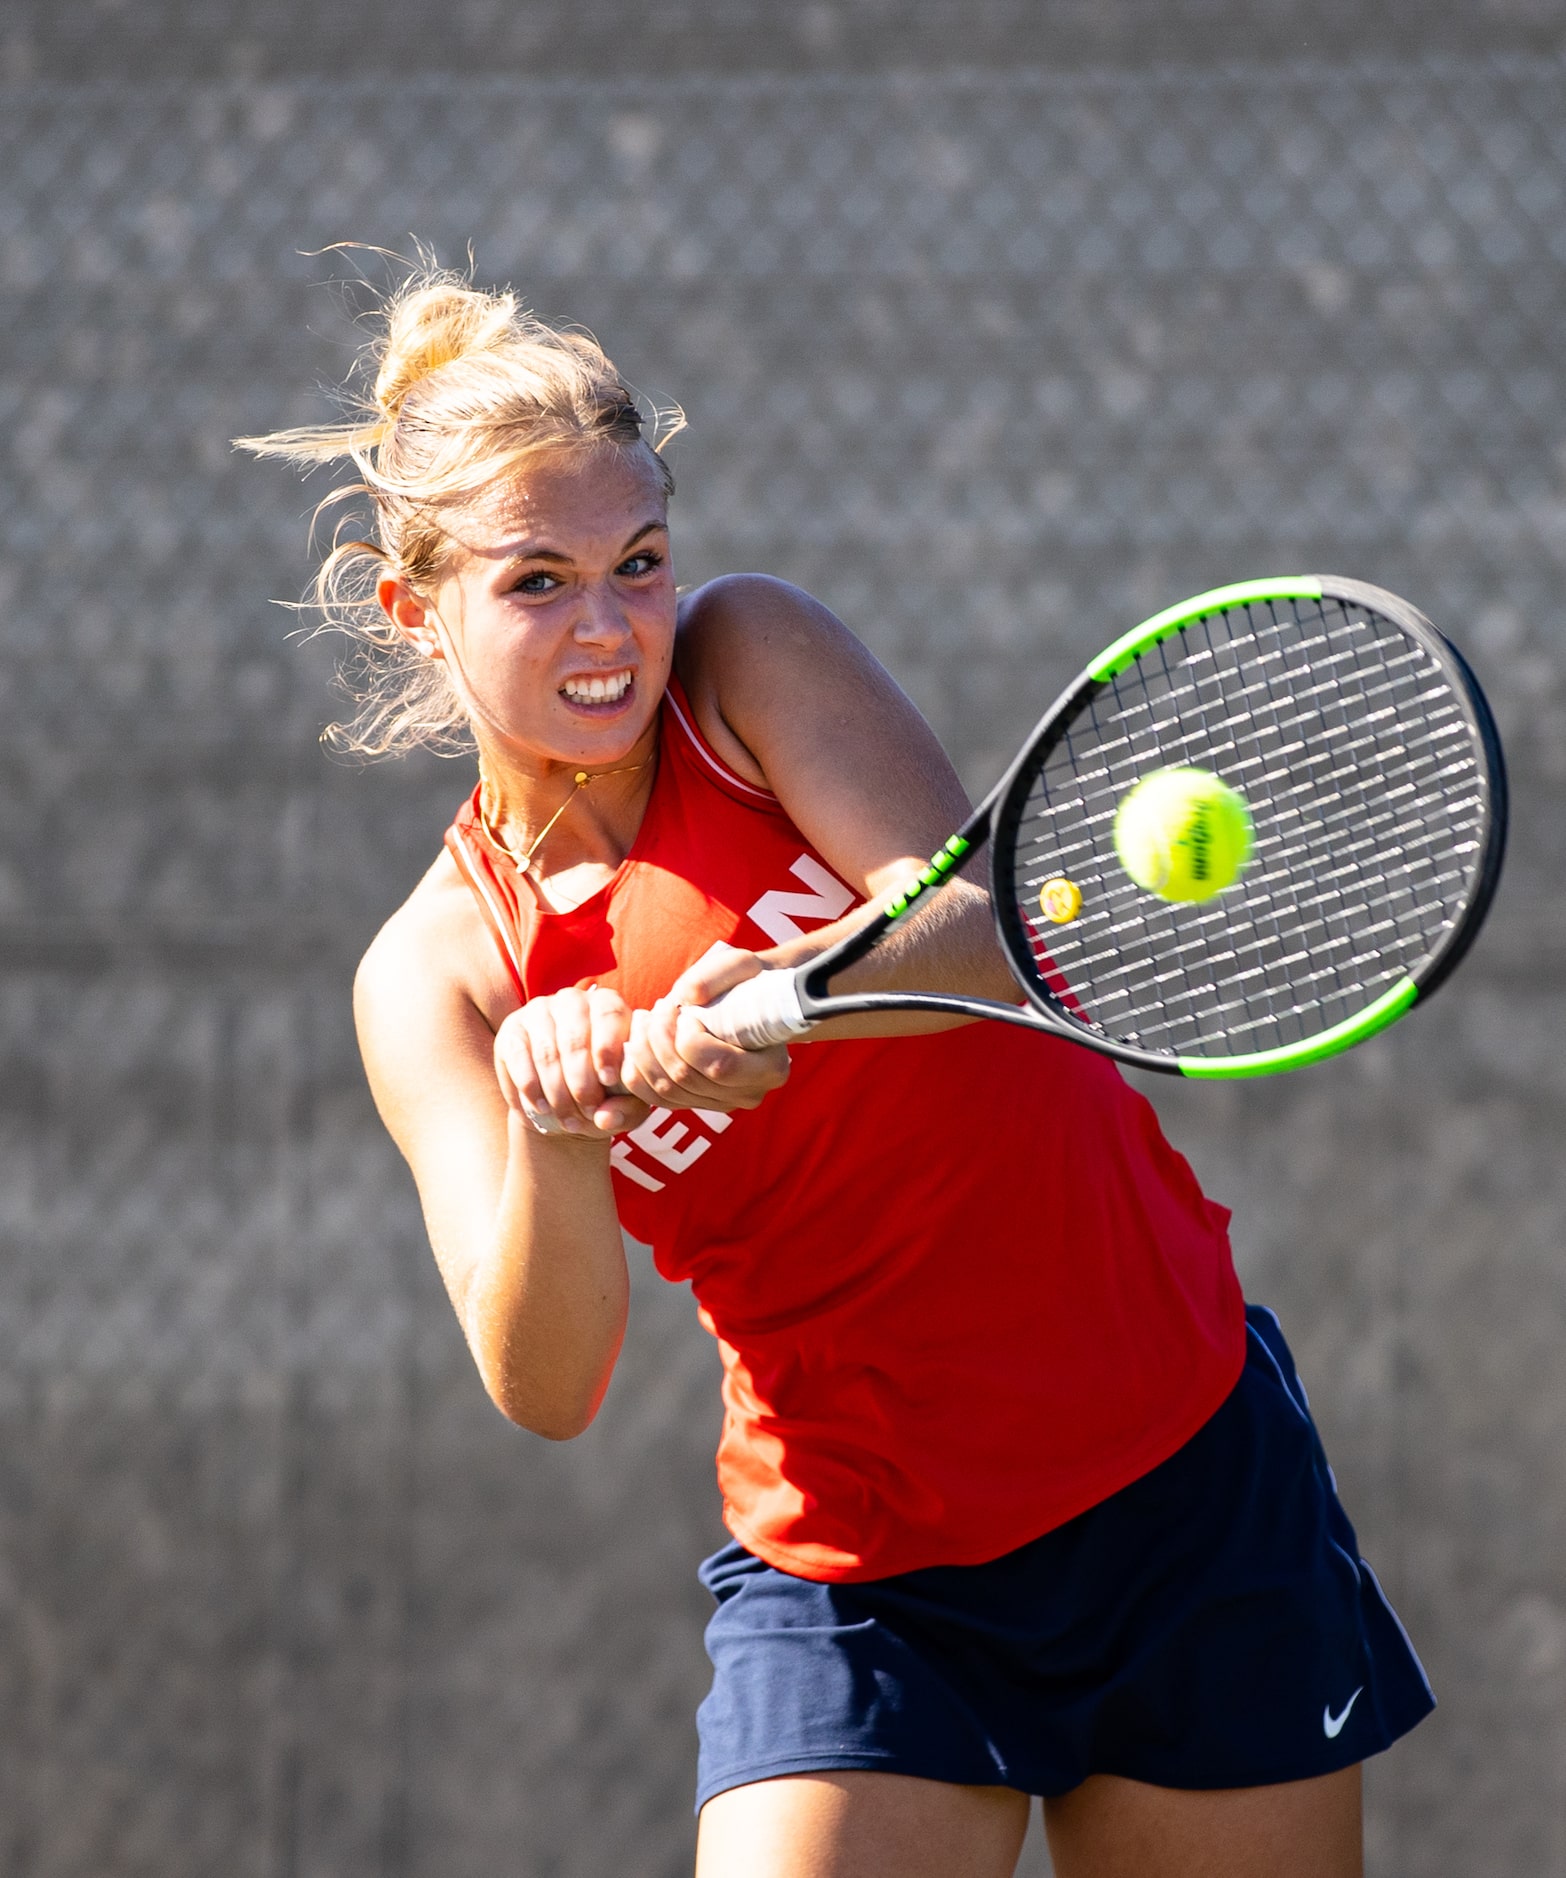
996	361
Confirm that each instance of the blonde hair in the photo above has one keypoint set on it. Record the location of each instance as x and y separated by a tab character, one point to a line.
457	387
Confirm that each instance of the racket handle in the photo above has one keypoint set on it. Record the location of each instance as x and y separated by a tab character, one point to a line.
765	1009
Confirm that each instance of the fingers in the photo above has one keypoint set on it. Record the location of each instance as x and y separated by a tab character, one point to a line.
720	968
609	1026
580	1062
558	1060
672	1061
610	1017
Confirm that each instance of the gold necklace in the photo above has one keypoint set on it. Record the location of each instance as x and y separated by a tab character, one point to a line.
524	862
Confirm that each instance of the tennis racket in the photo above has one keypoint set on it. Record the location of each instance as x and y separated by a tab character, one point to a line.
1376	787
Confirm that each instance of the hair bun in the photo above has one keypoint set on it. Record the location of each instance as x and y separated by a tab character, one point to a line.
430	327
490	384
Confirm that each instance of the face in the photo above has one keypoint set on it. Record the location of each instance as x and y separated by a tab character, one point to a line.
556	614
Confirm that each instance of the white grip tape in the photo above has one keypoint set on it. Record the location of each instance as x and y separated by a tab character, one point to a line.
763	1010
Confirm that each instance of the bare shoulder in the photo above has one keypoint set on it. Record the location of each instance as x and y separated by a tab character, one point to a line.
430	982
741	626
757	602
790	698
422	939
751	646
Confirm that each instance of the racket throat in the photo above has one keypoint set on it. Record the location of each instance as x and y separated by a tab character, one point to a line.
815	977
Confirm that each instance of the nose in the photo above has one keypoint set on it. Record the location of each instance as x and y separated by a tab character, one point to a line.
601	619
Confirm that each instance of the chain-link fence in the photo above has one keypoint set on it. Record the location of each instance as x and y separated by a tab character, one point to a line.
994	364
540	40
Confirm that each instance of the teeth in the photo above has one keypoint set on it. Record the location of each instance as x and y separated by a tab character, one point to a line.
597	690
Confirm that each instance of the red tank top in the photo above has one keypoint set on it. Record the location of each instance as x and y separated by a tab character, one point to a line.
962	1287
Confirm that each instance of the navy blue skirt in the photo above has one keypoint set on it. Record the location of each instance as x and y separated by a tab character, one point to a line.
1210	1625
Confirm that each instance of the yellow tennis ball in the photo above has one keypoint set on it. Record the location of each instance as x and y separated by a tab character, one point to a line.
1183	834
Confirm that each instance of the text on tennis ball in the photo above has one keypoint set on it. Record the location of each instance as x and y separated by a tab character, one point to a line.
1183	834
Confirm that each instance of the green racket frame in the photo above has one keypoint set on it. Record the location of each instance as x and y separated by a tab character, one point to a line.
782	1004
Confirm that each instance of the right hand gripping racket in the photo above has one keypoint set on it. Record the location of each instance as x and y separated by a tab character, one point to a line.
1373	774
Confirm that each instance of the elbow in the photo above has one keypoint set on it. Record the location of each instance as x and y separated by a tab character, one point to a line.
548	1433
558	1415
551	1427
551	1385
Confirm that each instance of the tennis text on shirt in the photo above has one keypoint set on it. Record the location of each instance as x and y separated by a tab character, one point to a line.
962	1287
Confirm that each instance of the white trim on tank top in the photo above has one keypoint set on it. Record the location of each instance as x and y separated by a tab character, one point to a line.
700	747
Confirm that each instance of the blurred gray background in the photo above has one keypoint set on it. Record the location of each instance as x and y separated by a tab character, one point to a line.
999	325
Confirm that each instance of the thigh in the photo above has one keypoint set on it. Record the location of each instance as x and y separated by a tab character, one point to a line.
1114	1828
860	1825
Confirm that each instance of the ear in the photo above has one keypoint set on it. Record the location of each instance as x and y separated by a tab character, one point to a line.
415	620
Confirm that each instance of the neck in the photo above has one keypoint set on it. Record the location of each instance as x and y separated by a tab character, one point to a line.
563	817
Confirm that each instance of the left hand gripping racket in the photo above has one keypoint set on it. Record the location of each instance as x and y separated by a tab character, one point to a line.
1370	763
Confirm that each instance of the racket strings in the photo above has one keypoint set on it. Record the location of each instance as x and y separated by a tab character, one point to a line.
1369	807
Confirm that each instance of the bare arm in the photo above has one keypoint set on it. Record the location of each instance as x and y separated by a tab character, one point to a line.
794	702
523	1227
861	775
859	770
522	1222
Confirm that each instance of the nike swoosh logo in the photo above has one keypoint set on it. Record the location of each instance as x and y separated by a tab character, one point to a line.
1332	1725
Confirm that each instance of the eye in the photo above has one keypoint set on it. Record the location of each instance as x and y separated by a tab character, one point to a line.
643	562
535	583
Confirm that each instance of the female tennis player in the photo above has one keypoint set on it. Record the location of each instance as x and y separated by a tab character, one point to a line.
1024	1499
